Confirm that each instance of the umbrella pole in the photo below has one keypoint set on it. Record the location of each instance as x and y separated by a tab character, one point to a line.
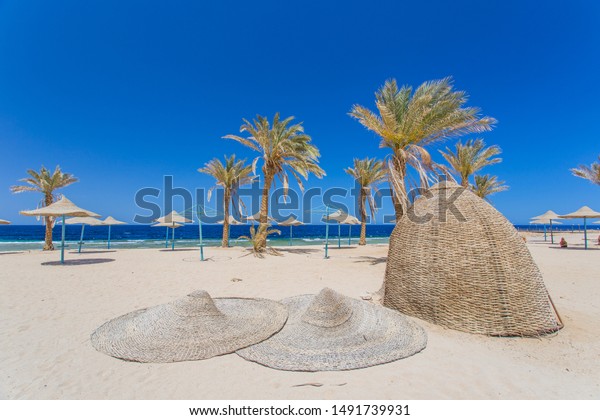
62	248
291	233
81	238
339	235
167	238
327	233
201	243
173	240
109	226
349	235
585	231
545	233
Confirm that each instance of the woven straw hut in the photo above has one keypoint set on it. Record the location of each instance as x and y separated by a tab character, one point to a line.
455	261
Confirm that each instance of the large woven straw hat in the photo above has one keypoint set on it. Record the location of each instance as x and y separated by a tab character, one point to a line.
330	331
455	261
191	328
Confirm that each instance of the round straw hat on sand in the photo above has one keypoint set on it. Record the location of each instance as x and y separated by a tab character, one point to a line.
330	331
191	328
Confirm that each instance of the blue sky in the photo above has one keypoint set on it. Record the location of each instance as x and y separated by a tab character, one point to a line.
122	93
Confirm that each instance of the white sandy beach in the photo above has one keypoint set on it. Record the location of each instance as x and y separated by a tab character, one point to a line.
49	311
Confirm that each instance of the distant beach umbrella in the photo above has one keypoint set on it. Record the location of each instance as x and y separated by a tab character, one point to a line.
170	218
4	222
291	222
342	218
544	222
171	225
173	217
549	216
83	221
583	213
110	221
256	218
62	208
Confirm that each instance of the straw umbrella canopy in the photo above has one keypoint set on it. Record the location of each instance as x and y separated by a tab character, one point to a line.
4	222
583	213
83	221
291	222
62	208
549	216
255	218
109	221
169	225
173	217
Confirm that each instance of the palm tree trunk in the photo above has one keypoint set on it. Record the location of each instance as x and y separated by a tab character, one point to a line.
397	200
264	212
363	218
48	245
225	240
464	181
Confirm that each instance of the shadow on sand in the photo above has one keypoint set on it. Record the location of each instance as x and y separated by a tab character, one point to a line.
11	252
92	252
371	260
297	251
177	249
84	261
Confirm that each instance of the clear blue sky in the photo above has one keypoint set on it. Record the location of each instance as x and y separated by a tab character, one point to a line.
121	93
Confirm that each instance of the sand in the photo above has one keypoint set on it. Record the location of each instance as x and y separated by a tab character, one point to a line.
47	313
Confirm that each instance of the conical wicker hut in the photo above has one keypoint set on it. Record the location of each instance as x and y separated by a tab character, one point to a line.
455	261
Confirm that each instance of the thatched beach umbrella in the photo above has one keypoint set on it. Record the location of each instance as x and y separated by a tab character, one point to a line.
171	225
544	222
83	221
342	218
549	216
583	213
291	222
62	208
169	218
4	222
256	218
109	221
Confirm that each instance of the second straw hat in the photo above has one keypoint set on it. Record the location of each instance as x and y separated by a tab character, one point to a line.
190	328
331	331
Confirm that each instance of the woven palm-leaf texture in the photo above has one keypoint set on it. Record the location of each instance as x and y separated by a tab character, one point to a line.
455	261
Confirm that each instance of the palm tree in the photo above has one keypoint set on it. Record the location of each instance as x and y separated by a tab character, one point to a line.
258	250
470	158
486	185
230	176
367	173
409	121
283	147
591	173
45	183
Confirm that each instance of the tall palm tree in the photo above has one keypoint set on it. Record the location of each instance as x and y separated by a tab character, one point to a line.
283	147
367	173
486	185
229	175
407	121
591	173
46	183
470	157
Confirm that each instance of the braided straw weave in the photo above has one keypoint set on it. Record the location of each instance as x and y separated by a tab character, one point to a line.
330	331
474	275
191	328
